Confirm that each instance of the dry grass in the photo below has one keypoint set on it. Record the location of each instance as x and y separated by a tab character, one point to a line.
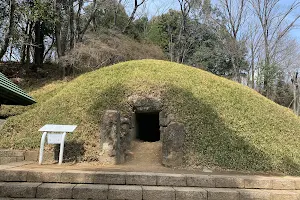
106	49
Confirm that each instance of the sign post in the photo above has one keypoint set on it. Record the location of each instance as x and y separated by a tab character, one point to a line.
56	135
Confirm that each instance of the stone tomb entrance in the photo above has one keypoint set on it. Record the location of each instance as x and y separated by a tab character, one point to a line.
148	128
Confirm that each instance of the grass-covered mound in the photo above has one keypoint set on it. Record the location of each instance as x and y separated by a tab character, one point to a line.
228	125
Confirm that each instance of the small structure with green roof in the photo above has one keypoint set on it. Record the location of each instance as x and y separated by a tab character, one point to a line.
11	94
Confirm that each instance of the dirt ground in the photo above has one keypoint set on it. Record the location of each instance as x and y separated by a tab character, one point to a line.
145	157
145	153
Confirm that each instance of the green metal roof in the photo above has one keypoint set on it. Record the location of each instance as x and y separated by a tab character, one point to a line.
11	94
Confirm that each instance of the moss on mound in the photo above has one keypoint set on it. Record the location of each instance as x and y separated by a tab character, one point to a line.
228	125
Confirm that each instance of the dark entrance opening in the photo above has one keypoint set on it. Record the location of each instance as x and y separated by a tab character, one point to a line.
147	127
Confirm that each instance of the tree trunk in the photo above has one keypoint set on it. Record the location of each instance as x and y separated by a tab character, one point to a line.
179	39
236	73
39	47
23	51
171	47
10	29
267	81
28	44
71	25
58	30
296	94
23	54
78	21
63	38
252	67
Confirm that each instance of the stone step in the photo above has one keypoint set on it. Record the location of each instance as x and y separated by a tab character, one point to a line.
149	179
17	190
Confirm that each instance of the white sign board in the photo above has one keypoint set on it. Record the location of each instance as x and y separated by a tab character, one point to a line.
56	135
58	128
54	138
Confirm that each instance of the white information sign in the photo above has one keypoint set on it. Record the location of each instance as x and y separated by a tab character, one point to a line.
56	135
54	138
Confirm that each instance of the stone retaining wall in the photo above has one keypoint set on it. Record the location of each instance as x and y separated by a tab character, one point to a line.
11	156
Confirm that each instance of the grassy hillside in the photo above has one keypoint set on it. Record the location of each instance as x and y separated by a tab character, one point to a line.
228	125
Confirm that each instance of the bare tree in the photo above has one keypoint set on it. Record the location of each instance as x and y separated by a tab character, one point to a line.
235	13
10	28
185	8
275	24
253	39
82	31
131	18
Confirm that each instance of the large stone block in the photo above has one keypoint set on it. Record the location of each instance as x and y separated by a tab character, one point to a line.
171	180
125	138
145	104
125	192
155	193
222	194
229	182
252	194
13	175
11	153
45	176
140	178
31	155
18	190
258	183
20	158
283	184
55	190
190	193
6	160
172	148
112	178
201	181
74	176
92	191
77	176
284	195
297	183
110	137
165	119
